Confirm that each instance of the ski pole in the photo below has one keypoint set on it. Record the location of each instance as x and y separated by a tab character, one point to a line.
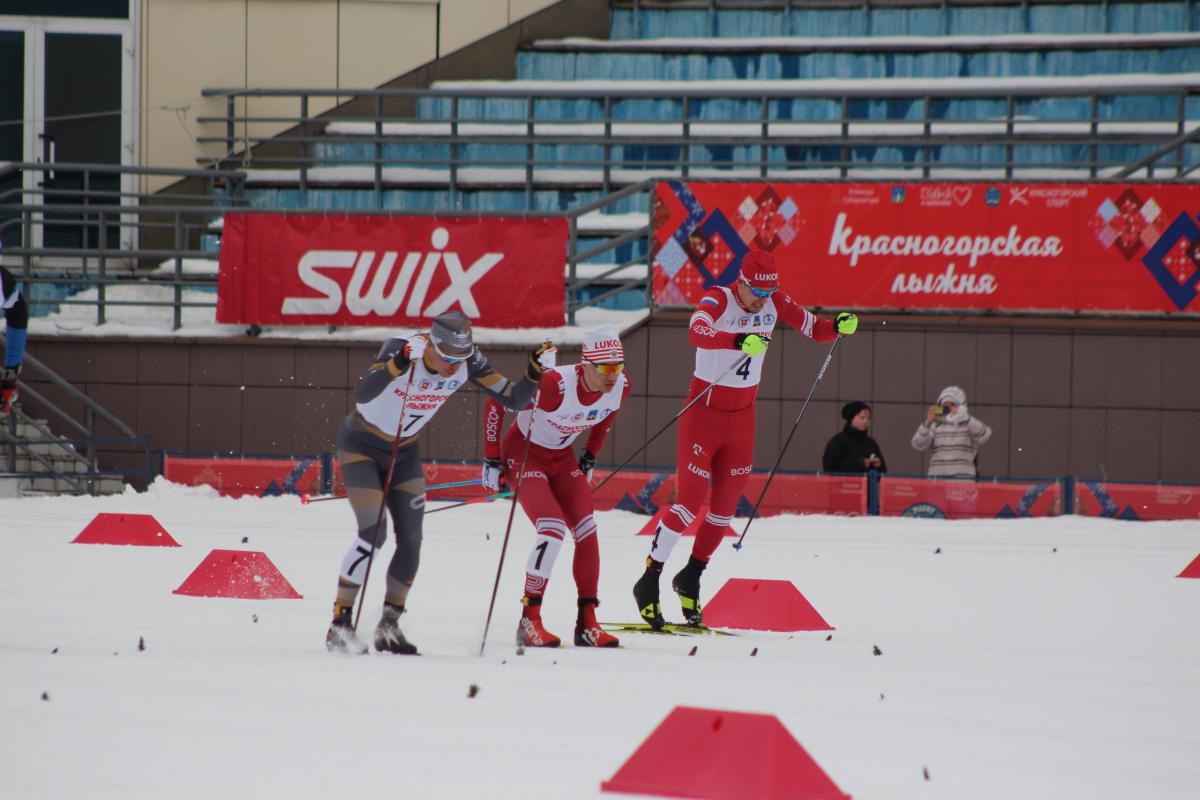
828	357
485	499
670	422
512	509
387	486
305	499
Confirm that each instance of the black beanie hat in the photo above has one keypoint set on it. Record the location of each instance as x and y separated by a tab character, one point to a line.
850	410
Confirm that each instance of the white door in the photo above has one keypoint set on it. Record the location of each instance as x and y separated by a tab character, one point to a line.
75	96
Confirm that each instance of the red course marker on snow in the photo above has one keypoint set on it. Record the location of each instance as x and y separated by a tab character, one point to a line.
725	755
244	574
138	530
762	605
650	527
1192	570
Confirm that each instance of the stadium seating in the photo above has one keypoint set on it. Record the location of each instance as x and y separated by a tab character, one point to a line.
847	91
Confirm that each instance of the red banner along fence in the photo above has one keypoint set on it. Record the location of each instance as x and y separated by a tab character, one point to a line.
648	491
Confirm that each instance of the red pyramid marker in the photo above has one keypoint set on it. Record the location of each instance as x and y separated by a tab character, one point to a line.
139	530
244	574
762	605
1192	570
729	756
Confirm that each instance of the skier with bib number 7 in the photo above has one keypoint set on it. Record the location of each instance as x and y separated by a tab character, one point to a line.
412	377
730	329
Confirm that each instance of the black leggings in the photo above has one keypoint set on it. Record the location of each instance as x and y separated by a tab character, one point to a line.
364	457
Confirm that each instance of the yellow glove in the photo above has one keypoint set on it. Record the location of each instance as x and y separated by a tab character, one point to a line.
846	323
752	344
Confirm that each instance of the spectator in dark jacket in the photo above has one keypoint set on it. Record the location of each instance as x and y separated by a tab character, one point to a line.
853	450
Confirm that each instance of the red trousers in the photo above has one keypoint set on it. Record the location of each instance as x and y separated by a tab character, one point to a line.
556	497
715	448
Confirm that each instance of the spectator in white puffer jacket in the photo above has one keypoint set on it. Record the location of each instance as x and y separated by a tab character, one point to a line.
952	435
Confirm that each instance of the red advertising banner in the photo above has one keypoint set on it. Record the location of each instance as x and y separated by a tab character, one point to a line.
382	270
844	495
236	477
956	499
1092	247
1135	501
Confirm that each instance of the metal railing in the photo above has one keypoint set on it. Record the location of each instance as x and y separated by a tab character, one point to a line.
80	226
163	245
1176	148
893	131
85	442
632	274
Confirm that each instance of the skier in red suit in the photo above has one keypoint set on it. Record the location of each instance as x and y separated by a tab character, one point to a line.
730	329
555	491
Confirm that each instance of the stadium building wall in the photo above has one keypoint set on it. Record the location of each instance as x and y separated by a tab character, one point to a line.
1096	399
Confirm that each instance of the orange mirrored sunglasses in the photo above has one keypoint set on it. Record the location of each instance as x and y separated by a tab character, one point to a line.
608	369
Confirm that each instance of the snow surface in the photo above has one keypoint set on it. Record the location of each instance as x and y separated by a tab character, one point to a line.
1054	658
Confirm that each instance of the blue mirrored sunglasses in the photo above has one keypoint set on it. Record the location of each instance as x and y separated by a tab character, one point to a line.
754	290
450	359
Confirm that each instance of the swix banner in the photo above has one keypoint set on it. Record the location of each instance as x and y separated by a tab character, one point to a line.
382	270
1091	247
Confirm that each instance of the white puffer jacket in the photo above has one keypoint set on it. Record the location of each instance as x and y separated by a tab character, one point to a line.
954	441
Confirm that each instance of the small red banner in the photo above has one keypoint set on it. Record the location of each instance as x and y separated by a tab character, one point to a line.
257	477
1095	247
955	499
381	270
1136	500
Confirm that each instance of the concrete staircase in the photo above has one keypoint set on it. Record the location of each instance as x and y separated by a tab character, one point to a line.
35	461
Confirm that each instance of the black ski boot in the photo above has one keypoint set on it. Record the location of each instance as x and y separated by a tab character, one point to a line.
341	638
388	636
645	593
686	584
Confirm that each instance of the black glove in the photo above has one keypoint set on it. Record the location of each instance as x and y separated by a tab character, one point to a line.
587	463
493	475
400	361
541	358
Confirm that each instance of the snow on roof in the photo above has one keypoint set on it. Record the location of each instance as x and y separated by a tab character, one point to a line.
626	177
877	43
1084	83
781	129
143	320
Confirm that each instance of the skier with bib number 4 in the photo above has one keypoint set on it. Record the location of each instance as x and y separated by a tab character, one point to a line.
730	329
413	375
554	489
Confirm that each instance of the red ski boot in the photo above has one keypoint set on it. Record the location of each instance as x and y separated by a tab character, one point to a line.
588	632
530	631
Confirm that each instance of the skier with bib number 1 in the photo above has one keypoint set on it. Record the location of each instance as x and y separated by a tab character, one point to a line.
554	490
